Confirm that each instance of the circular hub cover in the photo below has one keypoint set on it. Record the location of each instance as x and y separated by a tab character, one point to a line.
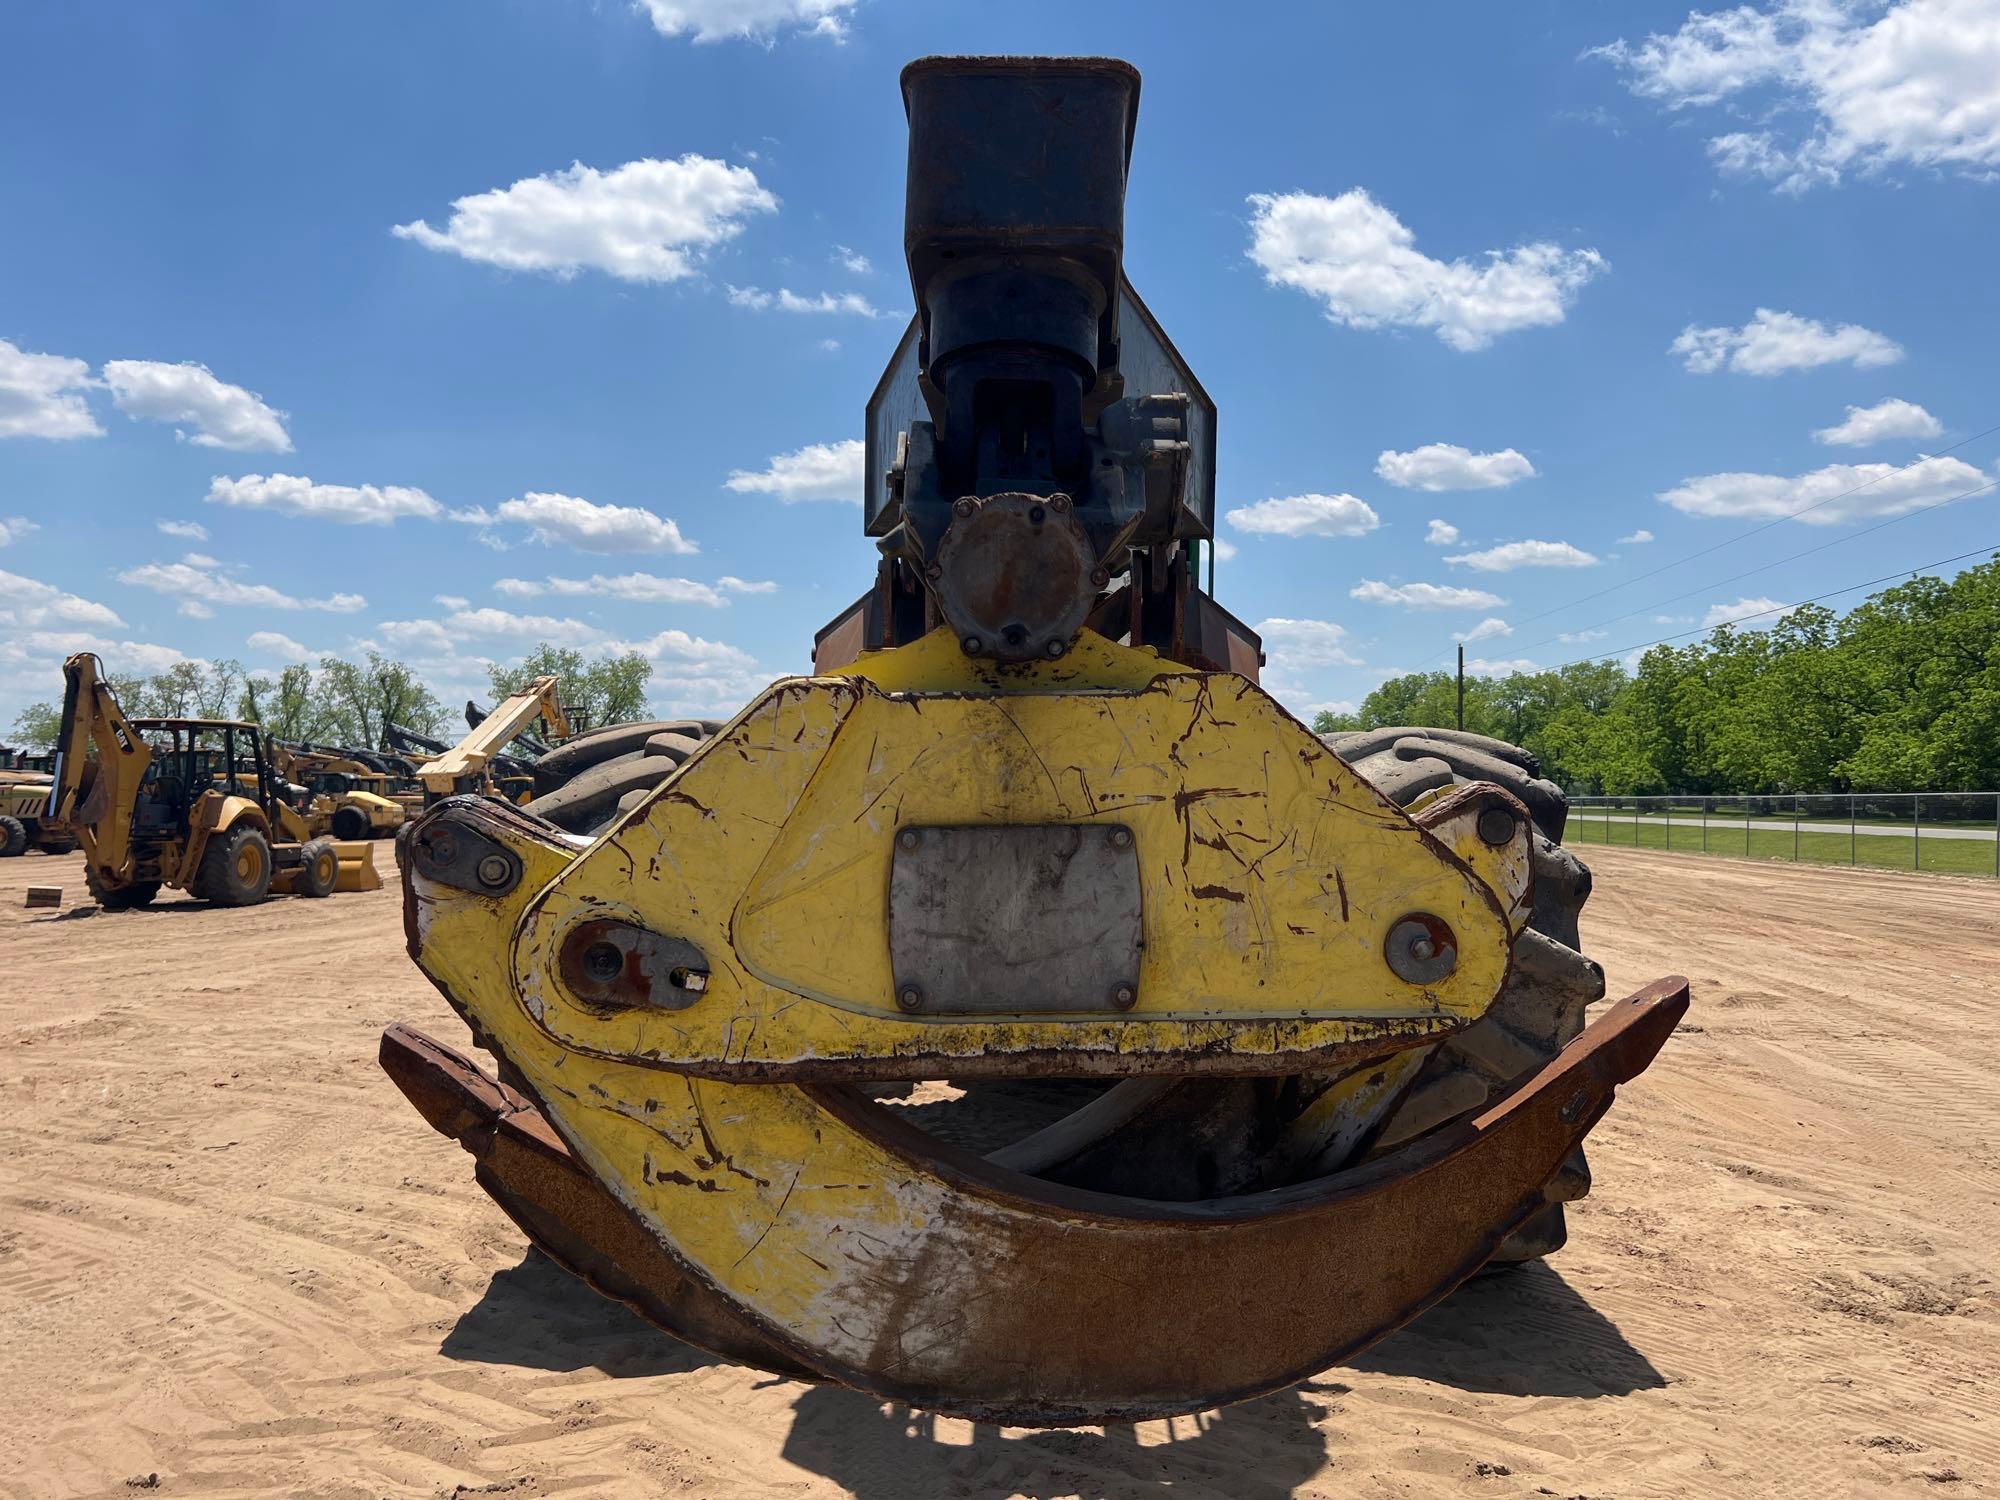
1014	576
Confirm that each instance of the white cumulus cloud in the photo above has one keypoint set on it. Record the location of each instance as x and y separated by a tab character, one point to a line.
1772	343
1753	614
853	261
200	579
1306	643
274	644
13	528
1446	466
222	415
1361	262
1440	534
192	531
1511	555
1479	666
787	300
818	471
566	520
1490	628
41	395
1423	595
1306	515
294	495
1837	493
29	604
1880	423
1833	88
749	20
640	588
1638	538
647	221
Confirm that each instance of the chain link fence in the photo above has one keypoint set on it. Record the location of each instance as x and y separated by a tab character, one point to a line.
1948	833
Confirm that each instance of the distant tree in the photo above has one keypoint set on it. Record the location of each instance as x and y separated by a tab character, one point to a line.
288	706
36	727
609	690
356	701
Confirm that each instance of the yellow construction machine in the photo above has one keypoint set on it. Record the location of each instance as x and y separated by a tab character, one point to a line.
344	797
192	804
473	764
1024	1015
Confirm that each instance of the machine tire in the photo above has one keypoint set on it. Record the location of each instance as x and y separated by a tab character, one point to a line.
1542	1006
350	823
235	867
595	747
119	897
319	869
583	802
674	745
13	837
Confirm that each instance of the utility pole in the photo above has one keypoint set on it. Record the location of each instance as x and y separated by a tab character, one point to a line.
1461	687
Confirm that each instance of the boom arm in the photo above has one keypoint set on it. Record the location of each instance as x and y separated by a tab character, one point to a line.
467	761
96	809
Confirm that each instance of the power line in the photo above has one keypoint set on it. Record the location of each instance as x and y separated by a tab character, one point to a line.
1779	562
1780	609
1759	530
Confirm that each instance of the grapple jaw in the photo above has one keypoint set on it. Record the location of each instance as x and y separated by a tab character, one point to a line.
689	1012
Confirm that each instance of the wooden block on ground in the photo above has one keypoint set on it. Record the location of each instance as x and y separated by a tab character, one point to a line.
44	895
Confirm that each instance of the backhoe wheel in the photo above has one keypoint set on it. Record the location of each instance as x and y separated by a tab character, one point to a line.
319	869
119	897
350	823
13	837
235	868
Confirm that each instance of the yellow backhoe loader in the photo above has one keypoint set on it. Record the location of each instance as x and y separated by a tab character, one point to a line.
1024	1015
24	798
468	766
192	804
344	797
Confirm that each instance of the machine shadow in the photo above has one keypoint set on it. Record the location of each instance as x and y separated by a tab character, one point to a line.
1262	1450
539	1316
1525	1332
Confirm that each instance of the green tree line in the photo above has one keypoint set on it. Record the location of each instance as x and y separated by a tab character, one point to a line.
341	702
1900	694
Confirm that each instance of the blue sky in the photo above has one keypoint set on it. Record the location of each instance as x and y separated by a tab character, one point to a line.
535	319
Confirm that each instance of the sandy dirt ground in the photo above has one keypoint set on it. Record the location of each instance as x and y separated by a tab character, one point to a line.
234	1262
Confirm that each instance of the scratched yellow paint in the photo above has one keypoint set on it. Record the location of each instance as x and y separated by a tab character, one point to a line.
798	1219
1270	874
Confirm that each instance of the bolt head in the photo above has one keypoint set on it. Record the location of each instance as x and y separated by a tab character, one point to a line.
443	844
1059	502
1124	996
494	870
1100	576
909	838
1057	648
603	961
910	997
970	645
965	505
1121	838
1496	826
1423	948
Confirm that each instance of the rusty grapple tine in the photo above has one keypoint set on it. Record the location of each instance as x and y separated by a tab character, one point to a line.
565	1212
1163	1308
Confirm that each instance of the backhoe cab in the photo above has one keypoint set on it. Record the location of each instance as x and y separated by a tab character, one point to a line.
195	804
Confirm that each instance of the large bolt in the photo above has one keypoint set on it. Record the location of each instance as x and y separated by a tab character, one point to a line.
1496	826
965	505
1124	997
910	997
604	962
494	871
1421	949
1121	838
970	645
909	838
1057	648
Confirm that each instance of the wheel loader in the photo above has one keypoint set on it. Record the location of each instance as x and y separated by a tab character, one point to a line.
1024	1016
192	804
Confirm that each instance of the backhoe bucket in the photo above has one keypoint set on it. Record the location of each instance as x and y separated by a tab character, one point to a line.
357	866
